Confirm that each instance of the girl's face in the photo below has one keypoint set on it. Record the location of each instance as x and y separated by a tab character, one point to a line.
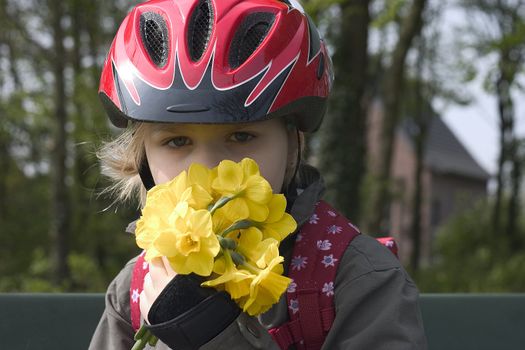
171	148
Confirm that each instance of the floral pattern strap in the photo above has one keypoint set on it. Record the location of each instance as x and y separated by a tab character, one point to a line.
140	270
320	244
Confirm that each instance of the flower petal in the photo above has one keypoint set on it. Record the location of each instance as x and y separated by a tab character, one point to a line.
229	178
166	244
152	253
198	174
200	223
280	229
249	167
249	243
257	189
200	198
277	206
201	264
258	212
236	210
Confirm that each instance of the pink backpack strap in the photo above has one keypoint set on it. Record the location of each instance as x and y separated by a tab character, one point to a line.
320	244
390	243
140	270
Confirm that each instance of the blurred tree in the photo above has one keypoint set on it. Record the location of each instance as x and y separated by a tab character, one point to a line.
343	136
470	258
392	87
342	152
61	203
50	56
425	87
501	32
421	120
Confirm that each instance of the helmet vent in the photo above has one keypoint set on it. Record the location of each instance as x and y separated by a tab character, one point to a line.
200	29
250	34
154	35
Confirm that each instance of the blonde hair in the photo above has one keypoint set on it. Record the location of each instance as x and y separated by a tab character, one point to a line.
121	159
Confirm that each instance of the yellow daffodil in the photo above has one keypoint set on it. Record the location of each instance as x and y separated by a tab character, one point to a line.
269	250
266	288
220	222
278	224
176	190
229	209
145	234
251	245
160	206
189	243
249	191
201	177
235	281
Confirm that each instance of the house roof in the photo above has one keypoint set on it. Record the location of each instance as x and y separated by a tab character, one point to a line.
445	154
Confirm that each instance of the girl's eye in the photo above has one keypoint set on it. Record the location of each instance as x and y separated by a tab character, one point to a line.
241	136
179	141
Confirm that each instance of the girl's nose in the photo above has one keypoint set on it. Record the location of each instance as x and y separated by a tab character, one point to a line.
209	155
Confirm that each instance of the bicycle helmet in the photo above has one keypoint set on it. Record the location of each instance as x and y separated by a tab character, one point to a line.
216	61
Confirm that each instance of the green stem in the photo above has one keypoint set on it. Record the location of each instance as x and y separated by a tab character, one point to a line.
143	337
251	268
238	258
140	333
140	344
239	225
153	341
220	203
226	243
234	257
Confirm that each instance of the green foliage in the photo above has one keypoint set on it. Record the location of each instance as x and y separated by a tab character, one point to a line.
315	7
97	246
389	13
472	258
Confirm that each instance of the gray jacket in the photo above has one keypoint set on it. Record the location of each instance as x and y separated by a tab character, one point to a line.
376	301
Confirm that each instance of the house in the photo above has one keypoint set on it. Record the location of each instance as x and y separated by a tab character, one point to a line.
452	181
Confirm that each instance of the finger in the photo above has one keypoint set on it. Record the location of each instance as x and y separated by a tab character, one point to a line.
144	305
149	290
158	273
167	266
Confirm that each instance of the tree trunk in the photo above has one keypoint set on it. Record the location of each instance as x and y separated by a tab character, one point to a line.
422	117
60	203
516	176
507	138
393	87
4	166
343	138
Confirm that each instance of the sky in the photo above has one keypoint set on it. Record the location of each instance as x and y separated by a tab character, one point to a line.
476	125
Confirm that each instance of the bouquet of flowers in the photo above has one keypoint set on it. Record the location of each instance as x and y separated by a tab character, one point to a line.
224	224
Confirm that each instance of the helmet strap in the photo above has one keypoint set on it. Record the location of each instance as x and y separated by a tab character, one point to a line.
145	174
299	155
290	191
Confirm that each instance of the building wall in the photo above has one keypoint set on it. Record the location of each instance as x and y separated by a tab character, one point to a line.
450	195
403	169
443	194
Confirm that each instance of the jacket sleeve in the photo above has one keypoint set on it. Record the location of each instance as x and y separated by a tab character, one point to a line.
376	302
245	333
114	330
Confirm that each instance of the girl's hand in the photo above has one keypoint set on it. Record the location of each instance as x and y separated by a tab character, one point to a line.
179	311
159	275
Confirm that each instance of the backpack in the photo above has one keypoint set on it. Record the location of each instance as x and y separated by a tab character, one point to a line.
319	247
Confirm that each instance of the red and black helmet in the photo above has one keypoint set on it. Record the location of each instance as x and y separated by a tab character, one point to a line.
216	61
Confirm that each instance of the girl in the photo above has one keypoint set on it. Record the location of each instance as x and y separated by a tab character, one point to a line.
200	81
